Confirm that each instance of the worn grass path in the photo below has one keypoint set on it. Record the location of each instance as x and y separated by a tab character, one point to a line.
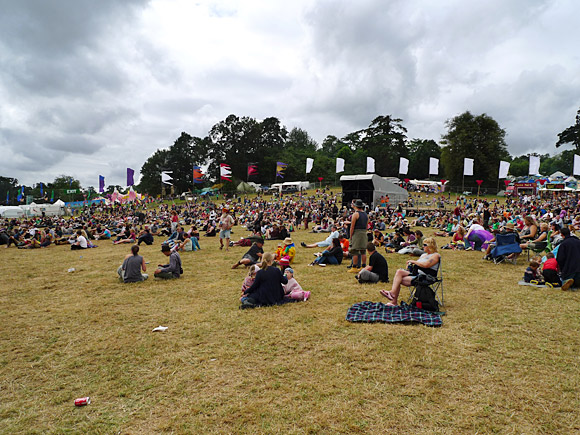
506	359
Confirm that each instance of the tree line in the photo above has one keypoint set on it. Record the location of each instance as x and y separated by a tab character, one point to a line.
239	141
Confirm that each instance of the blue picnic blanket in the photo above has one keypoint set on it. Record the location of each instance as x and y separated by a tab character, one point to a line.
371	312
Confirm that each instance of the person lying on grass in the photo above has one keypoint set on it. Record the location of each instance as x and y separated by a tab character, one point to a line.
267	288
428	264
325	243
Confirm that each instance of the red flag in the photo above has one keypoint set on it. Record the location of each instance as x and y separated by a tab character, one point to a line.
443	181
407	180
506	182
542	181
479	182
320	178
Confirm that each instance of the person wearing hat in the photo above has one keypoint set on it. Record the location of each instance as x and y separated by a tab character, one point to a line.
171	270
286	251
225	224
358	236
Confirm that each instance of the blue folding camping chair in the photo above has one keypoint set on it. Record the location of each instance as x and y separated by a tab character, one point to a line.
505	244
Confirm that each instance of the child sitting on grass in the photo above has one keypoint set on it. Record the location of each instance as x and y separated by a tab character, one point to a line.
550	271
532	274
249	280
293	290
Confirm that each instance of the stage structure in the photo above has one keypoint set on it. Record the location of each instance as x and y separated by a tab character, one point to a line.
370	188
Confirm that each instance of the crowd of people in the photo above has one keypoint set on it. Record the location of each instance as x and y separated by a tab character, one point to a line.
355	232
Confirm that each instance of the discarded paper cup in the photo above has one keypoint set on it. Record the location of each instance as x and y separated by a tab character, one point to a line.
72	269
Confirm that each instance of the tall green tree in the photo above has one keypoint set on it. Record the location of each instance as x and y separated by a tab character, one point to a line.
151	172
476	137
420	151
8	186
385	141
571	134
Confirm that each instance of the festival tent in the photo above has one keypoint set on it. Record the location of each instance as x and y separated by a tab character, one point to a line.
9	211
556	175
370	188
33	209
245	187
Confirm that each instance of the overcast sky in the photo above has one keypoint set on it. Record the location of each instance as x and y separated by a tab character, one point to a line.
93	87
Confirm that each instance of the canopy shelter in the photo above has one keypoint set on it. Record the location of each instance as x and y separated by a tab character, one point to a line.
245	187
370	188
10	212
33	209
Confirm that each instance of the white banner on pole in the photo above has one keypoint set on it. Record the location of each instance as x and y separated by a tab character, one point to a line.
534	166
433	166
467	166
576	170
370	165
166	178
403	166
504	168
309	164
339	165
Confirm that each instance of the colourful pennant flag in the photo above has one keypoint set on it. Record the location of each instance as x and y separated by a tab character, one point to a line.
52	197
20	195
225	172
130	174
101	184
252	169
7	197
41	190
280	168
197	175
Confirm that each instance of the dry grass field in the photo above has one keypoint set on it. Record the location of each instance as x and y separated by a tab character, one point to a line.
506	359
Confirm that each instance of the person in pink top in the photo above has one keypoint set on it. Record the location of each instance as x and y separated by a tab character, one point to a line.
293	290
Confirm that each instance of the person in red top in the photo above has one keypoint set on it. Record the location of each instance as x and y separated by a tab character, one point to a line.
550	271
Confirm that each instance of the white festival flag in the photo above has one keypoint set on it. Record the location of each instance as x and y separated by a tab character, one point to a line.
576	170
339	165
467	166
504	168
433	166
309	164
166	178
534	166
403	166
370	164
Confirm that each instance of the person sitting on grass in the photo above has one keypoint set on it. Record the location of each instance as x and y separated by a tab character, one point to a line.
186	245
427	264
253	255
173	269
377	269
286	250
293	290
80	243
267	288
130	270
249	279
550	271
569	259
532	273
332	256
131	239
325	243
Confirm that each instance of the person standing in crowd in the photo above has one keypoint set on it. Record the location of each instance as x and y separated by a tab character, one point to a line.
225	224
358	236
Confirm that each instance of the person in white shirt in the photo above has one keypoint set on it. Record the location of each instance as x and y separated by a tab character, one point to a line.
333	235
81	242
